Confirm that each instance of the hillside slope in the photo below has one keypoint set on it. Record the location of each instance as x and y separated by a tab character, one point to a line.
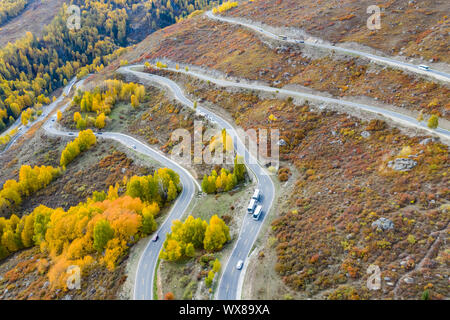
200	41
340	167
354	188
34	18
410	28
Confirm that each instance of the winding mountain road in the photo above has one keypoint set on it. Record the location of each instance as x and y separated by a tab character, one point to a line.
45	111
231	277
397	117
231	280
230	283
439	75
143	289
228	288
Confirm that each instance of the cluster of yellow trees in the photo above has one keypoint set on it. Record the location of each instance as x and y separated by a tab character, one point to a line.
161	65
99	230
162	187
226	181
97	65
211	274
6	138
433	121
225	7
194	234
36	178
30	181
84	141
27	116
222	139
102	99
32	68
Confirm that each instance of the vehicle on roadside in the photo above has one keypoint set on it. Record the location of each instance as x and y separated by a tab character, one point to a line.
256	195
240	264
300	41
424	67
155	238
134	147
257	213
71	134
251	206
283	37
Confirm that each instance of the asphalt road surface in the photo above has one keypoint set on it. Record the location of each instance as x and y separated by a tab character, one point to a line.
439	75
147	263
229	282
397	117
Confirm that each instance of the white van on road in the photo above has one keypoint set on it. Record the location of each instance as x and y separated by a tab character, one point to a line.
251	206
256	194
257	213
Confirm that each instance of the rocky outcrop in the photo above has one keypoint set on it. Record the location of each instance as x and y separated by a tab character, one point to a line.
402	164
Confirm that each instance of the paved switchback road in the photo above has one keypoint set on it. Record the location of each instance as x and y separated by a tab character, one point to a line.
397	117
228	288
143	289
439	75
230	284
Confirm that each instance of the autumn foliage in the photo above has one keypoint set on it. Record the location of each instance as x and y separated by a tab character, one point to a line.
33	67
225	181
225	7
84	141
194	234
30	180
98	231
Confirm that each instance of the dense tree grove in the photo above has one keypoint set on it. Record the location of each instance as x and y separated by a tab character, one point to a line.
34	67
30	181
225	7
99	230
161	188
36	178
194	234
225	181
11	8
84	141
101	100
6	138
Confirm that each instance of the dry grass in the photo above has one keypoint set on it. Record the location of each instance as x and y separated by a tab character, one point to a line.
33	19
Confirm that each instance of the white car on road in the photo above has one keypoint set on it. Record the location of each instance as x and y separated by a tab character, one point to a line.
239	264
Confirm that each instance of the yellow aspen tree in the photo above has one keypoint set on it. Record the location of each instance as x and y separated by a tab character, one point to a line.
100	121
58	115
